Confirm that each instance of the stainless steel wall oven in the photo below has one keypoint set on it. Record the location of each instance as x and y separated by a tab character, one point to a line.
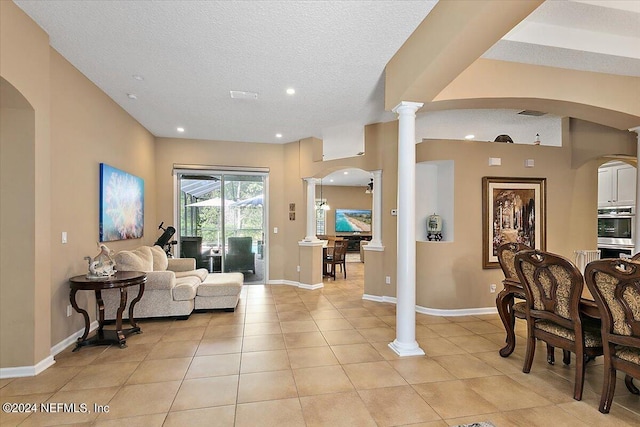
616	230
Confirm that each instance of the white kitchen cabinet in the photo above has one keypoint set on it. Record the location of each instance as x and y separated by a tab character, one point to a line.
616	184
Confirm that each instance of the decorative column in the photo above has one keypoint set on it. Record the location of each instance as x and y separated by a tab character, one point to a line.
405	343
376	236
310	268
636	238
311	210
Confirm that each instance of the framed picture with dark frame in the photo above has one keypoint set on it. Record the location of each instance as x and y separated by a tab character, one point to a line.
513	210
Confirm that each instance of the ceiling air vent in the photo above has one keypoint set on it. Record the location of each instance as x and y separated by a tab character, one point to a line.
241	94
531	113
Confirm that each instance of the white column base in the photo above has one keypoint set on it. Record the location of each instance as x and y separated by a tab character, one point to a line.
402	349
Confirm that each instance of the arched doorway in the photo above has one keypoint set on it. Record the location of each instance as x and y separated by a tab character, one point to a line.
18	321
616	208
344	210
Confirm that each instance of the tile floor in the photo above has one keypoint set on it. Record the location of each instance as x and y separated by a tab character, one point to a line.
293	357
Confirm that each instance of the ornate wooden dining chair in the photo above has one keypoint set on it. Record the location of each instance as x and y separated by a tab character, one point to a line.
615	286
553	288
506	257
336	257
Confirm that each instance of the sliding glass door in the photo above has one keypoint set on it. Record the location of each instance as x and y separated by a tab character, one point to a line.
222	220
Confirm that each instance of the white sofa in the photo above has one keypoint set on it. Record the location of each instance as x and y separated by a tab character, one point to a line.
174	286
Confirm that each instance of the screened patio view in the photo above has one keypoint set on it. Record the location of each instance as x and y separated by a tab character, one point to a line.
222	219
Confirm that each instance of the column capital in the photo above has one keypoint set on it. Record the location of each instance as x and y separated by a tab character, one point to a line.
636	130
312	180
407	107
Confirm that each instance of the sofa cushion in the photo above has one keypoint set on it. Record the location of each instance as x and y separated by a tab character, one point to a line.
185	288
160	260
200	273
139	259
181	264
221	284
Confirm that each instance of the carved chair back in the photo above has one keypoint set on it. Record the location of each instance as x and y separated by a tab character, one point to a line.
340	250
506	257
553	287
615	286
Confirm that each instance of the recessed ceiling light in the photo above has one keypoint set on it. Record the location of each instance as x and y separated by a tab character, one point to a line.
180	130
132	96
243	94
330	180
470	136
278	135
346	172
138	77
291	91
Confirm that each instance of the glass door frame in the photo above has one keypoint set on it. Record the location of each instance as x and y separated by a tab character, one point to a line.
194	170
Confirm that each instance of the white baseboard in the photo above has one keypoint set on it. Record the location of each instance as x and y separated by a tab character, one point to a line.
456	312
435	311
27	371
296	284
30	371
377	298
311	287
71	339
283	282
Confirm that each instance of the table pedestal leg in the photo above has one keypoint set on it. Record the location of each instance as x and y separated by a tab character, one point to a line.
132	321
74	304
123	302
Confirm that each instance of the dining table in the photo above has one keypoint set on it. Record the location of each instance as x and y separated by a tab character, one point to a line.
504	302
513	289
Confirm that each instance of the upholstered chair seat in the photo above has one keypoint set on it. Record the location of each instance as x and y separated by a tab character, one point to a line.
592	337
630	354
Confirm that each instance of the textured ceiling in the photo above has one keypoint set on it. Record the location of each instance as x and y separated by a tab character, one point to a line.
192	53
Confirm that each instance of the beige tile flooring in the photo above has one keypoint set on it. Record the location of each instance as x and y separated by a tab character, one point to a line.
293	357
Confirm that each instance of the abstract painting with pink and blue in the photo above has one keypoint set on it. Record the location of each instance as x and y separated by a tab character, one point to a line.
121	204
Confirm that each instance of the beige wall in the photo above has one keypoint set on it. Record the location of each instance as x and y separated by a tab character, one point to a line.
88	128
25	283
17	217
220	153
450	274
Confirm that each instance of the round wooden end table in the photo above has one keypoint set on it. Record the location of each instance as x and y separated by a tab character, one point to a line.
121	280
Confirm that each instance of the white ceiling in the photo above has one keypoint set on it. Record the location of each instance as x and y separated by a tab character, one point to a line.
348	177
333	53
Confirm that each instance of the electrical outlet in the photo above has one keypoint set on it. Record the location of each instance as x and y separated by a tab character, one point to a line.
69	310
298	269
387	280
492	288
64	237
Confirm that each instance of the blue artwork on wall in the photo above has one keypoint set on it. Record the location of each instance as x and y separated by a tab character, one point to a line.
121	205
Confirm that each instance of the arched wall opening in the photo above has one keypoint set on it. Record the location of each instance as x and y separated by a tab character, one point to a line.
17	219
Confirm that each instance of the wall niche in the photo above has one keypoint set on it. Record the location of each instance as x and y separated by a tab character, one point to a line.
435	194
